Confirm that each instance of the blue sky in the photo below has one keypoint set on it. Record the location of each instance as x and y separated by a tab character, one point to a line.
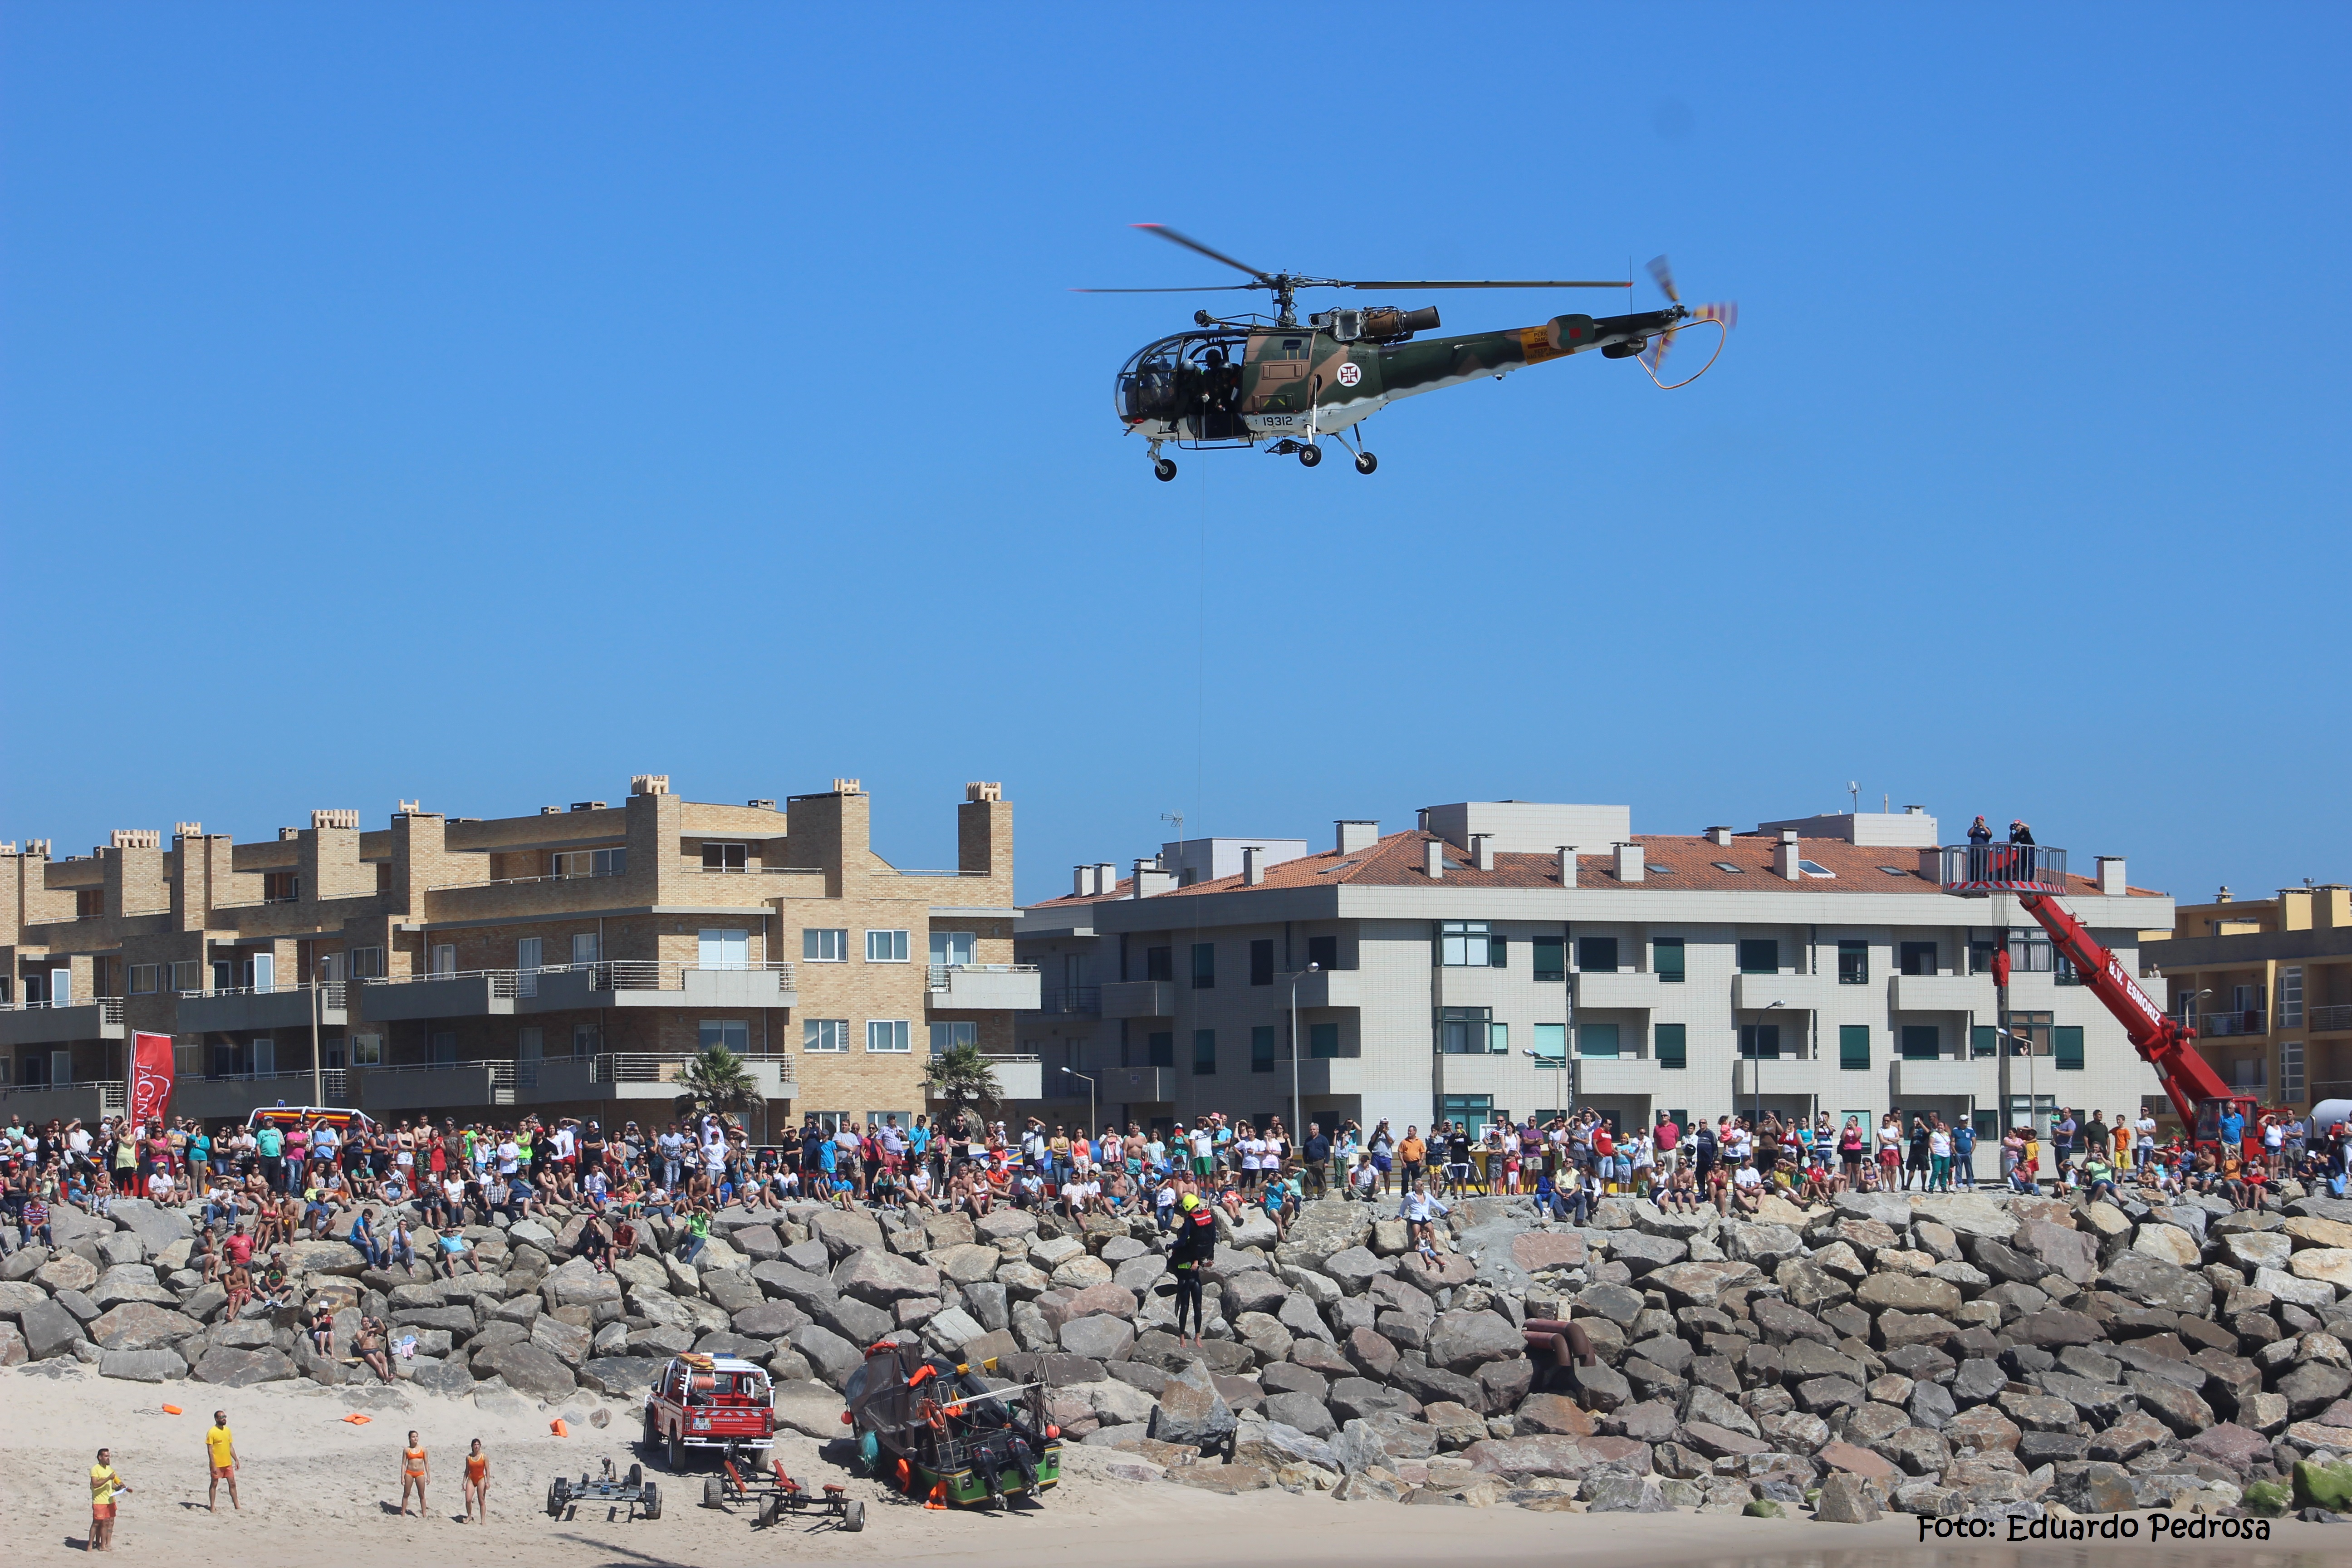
483	405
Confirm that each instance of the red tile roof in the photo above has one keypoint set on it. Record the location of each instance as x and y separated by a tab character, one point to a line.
1672	863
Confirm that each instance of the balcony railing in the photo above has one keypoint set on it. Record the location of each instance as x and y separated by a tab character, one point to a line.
1072	999
626	1067
2246	1022
502	1073
2323	1018
329	1079
939	972
333	989
110	1008
2003	869
609	974
109	1091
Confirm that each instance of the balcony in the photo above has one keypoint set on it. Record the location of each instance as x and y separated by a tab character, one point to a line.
2003	869
1072	999
433	1086
1942	1078
1136	1086
1613	1075
1330	988
255	1007
235	1098
1790	992
1325	1075
1014	987
2248	1022
1942	993
1604	988
1778	1077
1023	1077
473	994
37	1103
2330	1020
1139	999
618	1076
48	1024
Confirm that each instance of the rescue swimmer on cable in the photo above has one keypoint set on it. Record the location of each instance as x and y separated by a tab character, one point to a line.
1239	381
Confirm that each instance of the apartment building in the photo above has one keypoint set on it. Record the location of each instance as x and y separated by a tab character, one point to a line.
566	963
1510	957
2267	984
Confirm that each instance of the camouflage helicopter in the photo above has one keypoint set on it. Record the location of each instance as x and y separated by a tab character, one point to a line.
1243	379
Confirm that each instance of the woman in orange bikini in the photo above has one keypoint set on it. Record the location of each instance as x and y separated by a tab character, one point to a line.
413	1473
477	1482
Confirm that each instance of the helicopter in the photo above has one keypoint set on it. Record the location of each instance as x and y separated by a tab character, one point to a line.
1239	381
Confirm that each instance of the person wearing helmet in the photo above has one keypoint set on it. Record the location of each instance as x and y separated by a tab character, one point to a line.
1188	1259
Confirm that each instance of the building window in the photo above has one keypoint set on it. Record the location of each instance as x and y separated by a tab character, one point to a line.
1323	952
587	1040
1666	957
1160	963
1597	1040
1759	1042
825	1036
90	903
1759	955
2291	1071
1464	944
2066	1048
1204	966
1498	1039
726	857
1475	1112
2289	998
1854	964
1597	954
367	964
1550	957
2029	1034
887	1037
886	947
1262	961
822	946
1261	1048
1462	1031
281	888
1674	1046
587	948
953	1036
1322	1041
570	864
1160	1049
367	1050
734	1033
143	979
951	949
442	961
1919	958
188	973
1922	1042
1984	1040
1204	1053
441	1049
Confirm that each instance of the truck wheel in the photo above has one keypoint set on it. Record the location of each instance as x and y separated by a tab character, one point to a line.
653	1432
854	1519
677	1454
714	1492
653	1501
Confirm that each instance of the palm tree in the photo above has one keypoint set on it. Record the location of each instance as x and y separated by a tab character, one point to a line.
718	1080
964	1077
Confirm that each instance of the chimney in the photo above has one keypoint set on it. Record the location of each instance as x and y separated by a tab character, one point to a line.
1357	835
1482	851
1252	865
1567	864
187	830
656	783
1150	878
1915	811
1106	878
2333	906
344	818
1629	862
1719	836
1433	858
981	790
133	838
2111	877
1784	856
1081	881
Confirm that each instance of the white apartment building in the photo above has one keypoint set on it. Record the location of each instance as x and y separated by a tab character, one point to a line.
1509	957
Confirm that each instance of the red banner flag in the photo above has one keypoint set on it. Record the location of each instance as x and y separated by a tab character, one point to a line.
150	1078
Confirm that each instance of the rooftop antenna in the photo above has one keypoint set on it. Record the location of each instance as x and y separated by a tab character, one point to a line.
1853	788
1886	804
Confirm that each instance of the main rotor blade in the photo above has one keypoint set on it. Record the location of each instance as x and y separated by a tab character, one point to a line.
1457	283
1204	288
1164	232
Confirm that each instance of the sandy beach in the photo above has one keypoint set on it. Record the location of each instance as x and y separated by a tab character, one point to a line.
305	1468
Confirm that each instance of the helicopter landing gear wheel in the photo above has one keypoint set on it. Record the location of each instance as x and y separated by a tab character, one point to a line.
1366	462
1163	468
1309	455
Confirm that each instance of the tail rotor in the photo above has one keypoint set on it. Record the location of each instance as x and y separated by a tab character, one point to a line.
1724	313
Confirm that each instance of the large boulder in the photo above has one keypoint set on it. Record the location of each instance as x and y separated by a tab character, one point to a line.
48	1330
242	1368
2154	1282
878	1278
1462	1342
833	1357
140	1326
1884	1291
1098	1337
846	1231
528	1370
141	1366
1191	1412
1700	1284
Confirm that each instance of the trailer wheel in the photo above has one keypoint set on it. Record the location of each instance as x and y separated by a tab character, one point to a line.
771	1510
652	1501
854	1519
714	1492
637	1475
555	1500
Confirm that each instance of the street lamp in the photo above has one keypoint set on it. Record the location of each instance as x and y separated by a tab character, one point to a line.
1559	1061
1297	1116
1756	1073
1090	1097
318	1003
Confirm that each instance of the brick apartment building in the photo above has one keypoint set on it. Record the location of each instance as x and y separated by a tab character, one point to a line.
2267	985
1474	967
566	963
